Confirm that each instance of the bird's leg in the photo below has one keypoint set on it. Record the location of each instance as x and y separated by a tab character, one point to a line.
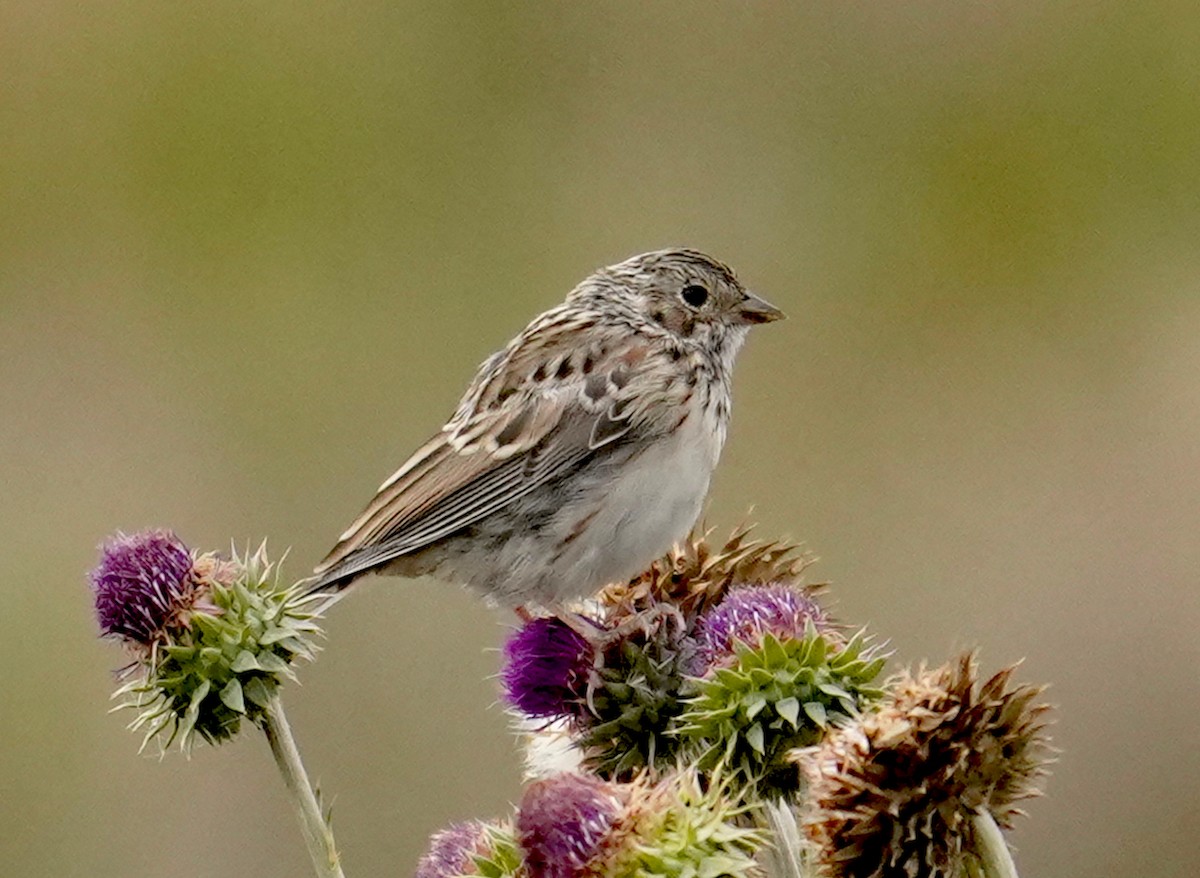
601	638
585	626
646	622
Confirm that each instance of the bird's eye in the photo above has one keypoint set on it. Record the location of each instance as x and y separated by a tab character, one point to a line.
695	295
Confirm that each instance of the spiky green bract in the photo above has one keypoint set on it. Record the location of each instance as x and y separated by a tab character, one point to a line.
501	858
770	698
690	832
223	662
625	726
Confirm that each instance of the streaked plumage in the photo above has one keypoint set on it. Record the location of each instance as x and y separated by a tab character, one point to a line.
580	452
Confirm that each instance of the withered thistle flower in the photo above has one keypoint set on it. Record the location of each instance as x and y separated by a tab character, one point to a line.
696	575
893	794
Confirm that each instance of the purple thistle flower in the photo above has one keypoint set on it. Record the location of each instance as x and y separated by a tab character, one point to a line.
140	584
546	668
747	613
452	851
565	822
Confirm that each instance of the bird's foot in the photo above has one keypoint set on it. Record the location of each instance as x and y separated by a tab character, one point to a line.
602	639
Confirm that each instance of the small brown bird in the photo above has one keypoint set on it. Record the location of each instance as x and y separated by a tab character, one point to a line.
581	451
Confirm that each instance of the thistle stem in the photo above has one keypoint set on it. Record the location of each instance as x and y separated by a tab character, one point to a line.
785	857
317	834
991	848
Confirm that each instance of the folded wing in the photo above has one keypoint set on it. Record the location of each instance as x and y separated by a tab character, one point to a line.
529	417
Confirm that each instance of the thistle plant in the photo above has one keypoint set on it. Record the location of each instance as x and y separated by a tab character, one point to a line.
722	659
624	690
708	718
574	825
722	666
776	676
626	720
211	641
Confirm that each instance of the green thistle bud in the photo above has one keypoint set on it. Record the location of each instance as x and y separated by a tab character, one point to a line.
772	697
625	725
686	830
220	663
897	792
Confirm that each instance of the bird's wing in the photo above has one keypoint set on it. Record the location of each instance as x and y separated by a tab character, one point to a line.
536	410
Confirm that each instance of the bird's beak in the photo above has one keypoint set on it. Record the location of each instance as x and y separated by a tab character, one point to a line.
754	310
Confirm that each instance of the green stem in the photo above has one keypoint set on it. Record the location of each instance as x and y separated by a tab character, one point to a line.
317	834
785	857
991	848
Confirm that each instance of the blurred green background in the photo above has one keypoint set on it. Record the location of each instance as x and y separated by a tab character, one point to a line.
251	253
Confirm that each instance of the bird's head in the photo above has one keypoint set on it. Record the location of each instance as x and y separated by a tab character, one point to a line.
689	294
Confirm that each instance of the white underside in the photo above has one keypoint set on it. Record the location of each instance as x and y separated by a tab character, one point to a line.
651	504
645	511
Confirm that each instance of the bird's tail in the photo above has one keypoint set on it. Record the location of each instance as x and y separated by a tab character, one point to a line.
333	579
332	582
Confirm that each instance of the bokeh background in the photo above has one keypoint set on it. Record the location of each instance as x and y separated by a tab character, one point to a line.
250	254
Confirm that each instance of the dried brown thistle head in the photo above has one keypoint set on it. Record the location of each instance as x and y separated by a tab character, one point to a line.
695	575
892	796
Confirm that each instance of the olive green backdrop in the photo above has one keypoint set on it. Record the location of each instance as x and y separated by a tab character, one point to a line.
250	254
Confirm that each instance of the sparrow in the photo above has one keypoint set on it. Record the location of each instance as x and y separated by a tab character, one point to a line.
580	453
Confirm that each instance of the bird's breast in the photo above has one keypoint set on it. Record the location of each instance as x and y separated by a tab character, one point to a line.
647	505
